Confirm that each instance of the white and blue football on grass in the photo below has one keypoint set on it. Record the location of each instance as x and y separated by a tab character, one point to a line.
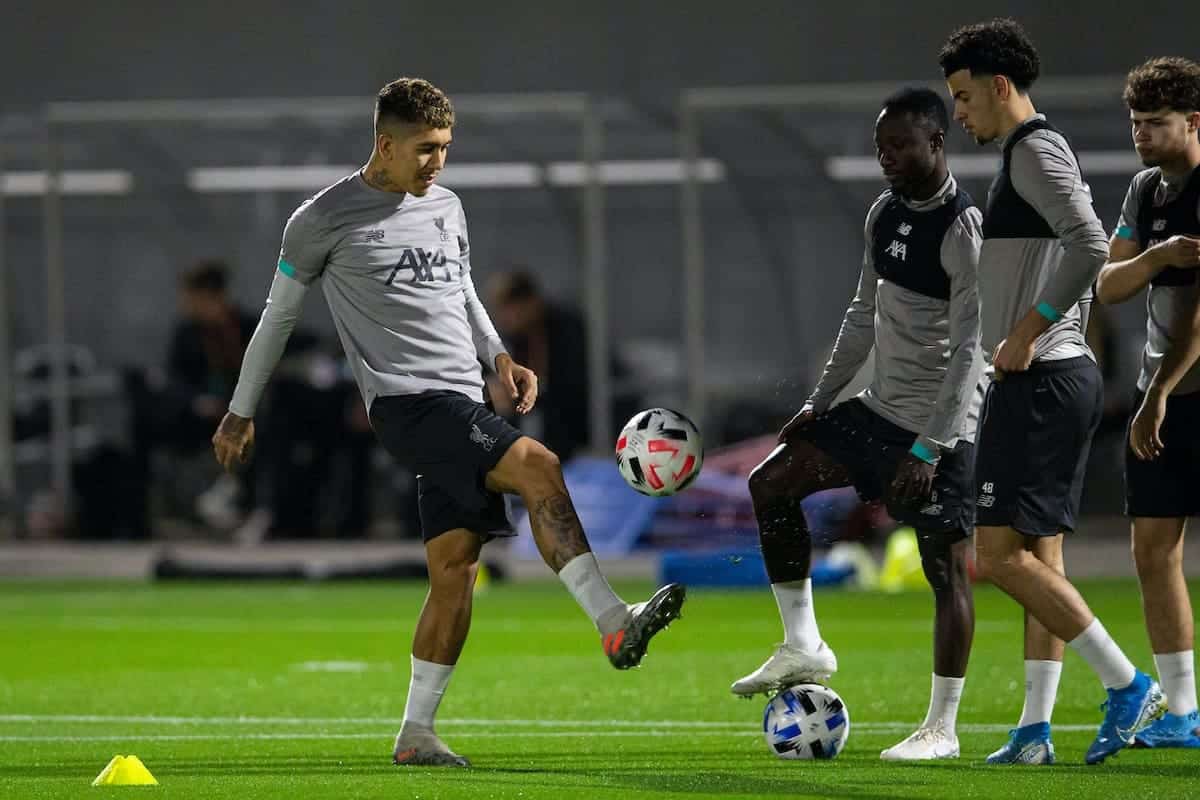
807	721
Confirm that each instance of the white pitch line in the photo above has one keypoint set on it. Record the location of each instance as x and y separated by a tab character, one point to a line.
591	726
389	734
268	721
539	723
130	623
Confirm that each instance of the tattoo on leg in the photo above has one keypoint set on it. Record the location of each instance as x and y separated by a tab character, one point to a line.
557	530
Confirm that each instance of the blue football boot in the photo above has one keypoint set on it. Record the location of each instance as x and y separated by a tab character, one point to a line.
1126	712
1173	730
1026	745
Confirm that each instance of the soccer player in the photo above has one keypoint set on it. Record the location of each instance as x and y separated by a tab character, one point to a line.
1043	247
907	437
1157	244
392	248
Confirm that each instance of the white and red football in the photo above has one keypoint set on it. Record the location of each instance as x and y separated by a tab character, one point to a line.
659	452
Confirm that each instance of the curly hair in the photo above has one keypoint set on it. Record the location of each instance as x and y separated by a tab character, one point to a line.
1169	82
414	101
997	47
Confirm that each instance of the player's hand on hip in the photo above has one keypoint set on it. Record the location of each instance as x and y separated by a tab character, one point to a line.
1144	437
520	382
795	423
1181	251
233	443
914	479
1012	355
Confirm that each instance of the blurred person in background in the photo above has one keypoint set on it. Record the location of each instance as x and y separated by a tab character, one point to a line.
1157	244
203	360
551	339
551	336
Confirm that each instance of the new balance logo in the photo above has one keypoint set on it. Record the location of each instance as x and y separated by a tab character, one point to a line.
482	439
373	236
905	229
898	250
986	497
1159	225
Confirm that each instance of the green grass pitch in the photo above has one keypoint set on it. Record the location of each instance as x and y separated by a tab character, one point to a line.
295	691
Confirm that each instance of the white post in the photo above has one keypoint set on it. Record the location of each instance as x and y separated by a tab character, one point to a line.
693	262
596	282
8	488
56	323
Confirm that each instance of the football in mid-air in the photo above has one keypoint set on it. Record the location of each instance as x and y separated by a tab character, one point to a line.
806	721
659	452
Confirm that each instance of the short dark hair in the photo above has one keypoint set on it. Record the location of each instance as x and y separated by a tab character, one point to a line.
209	275
414	101
924	104
1168	82
516	286
997	47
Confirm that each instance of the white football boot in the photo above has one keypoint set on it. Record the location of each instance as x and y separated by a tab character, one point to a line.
927	743
418	746
788	667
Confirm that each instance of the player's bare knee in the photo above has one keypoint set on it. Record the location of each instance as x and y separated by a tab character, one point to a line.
1001	567
936	563
773	479
453	575
763	482
1156	555
947	578
537	469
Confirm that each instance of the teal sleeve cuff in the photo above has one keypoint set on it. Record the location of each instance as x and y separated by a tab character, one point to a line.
287	269
1124	232
1048	311
922	452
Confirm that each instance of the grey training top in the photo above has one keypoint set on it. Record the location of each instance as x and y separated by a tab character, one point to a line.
396	271
1166	304
1019	273
927	364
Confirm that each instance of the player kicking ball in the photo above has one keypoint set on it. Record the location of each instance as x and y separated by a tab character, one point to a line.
907	437
392	249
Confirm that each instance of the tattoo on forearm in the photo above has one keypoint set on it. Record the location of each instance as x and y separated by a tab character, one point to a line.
557	530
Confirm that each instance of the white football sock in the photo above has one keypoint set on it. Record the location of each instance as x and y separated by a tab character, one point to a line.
1041	690
943	703
1104	656
425	690
795	602
583	579
1177	674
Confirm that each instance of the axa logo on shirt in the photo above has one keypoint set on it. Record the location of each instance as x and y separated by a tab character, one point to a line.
898	250
422	262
